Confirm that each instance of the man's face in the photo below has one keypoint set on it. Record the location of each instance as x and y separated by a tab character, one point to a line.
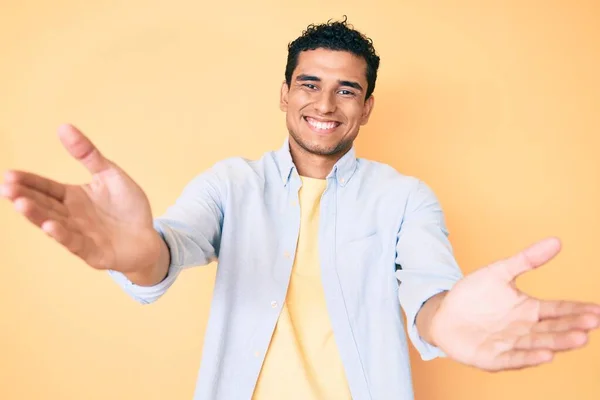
325	102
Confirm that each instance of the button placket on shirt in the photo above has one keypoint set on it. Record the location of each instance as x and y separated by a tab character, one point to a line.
293	203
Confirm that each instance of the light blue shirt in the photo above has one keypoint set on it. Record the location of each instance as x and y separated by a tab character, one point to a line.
383	244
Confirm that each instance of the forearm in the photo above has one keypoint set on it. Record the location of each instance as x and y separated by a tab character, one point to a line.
154	273
425	317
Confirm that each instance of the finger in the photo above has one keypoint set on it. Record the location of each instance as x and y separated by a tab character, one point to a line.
13	191
82	149
35	212
556	341
72	240
517	359
560	308
63	235
36	182
584	322
532	257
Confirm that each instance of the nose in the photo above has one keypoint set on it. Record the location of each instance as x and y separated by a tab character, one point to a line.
325	103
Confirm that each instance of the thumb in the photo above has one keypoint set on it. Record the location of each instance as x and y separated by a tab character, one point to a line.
530	258
82	149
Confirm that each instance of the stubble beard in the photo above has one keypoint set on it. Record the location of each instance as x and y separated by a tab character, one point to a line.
341	147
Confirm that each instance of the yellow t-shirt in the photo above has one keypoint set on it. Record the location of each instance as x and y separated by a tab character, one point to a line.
303	360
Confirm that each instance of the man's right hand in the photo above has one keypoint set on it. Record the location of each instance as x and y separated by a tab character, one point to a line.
106	222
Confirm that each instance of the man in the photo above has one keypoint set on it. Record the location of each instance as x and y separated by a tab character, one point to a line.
317	252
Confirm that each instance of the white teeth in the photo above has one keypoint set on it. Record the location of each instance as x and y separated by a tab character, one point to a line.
322	125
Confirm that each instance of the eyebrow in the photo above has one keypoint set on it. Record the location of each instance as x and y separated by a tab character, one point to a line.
312	78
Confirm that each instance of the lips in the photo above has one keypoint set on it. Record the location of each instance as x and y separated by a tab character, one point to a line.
322	126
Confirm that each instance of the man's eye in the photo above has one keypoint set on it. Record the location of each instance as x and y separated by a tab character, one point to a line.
310	85
346	92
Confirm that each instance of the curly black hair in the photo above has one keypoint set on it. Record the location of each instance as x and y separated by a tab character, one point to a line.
334	36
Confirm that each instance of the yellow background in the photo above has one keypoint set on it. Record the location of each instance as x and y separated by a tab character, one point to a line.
494	104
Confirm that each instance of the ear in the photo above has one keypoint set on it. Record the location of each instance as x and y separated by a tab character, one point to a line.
283	101
367	109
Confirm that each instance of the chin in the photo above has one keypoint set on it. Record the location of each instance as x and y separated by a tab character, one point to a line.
322	149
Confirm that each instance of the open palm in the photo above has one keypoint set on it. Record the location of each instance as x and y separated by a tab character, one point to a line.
487	322
107	222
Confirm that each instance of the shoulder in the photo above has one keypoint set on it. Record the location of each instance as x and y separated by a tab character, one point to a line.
241	174
385	180
385	176
242	169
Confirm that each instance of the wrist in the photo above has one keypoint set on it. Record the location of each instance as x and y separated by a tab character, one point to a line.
154	272
147	276
426	315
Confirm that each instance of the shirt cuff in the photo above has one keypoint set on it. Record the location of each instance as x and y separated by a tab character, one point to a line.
145	294
149	294
412	300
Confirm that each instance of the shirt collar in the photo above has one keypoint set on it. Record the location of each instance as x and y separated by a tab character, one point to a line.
342	171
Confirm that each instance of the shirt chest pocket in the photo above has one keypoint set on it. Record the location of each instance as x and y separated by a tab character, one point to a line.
359	255
363	269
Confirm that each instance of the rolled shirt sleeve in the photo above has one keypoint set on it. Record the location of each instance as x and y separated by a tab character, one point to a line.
191	229
425	261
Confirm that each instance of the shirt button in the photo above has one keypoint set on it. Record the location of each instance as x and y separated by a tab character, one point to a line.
342	180
286	254
256	354
294	203
273	304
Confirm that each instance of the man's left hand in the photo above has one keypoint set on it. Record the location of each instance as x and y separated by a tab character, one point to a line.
486	322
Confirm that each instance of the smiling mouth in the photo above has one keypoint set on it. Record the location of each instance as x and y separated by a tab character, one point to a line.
321	126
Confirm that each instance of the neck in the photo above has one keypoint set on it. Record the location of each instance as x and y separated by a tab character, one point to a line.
313	165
